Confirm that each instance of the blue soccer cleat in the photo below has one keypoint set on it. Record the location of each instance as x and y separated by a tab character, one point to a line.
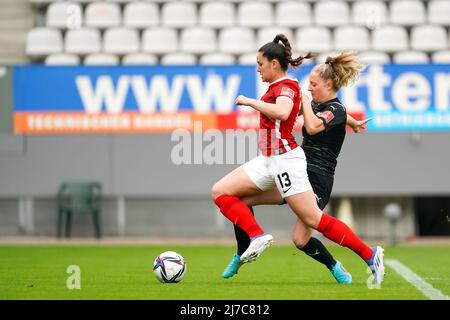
340	274
232	267
376	265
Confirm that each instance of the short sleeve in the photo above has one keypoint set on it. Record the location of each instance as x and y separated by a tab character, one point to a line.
333	115
285	91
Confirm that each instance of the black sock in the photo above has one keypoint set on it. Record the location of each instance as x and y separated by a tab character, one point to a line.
243	240
316	250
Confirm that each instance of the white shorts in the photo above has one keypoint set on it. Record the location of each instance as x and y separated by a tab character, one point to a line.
287	171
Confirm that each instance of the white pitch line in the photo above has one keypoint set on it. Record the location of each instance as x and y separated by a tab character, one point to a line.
427	289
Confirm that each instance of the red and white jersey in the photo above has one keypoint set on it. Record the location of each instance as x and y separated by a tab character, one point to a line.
276	136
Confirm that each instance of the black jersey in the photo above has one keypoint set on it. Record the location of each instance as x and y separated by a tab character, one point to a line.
322	149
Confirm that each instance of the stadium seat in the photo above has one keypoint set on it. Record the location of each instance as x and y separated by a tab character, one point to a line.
83	2
331	13
374	57
103	15
441	57
316	39
237	40
267	34
390	38
44	41
439	12
248	59
139	59
159	40
124	1
64	15
121	40
371	14
78	198
254	14
179	14
217	14
101	59
39	2
407	12
83	41
140	15
178	59
217	59
198	40
351	38
410	57
293	14
62	59
429	38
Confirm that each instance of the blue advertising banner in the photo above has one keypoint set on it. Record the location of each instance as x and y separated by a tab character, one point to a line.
154	99
117	89
400	97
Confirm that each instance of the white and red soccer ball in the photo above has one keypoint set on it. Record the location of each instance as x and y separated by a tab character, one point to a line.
169	267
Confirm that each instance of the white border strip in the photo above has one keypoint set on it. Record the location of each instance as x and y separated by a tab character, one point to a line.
427	289
278	135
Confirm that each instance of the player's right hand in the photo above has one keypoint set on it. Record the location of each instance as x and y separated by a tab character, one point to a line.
242	101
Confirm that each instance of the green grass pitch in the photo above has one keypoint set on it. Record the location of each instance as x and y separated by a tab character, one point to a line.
282	272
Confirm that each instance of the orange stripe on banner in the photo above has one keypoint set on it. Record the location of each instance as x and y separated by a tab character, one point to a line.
20	123
357	115
226	121
70	123
61	123
207	121
129	122
247	120
160	122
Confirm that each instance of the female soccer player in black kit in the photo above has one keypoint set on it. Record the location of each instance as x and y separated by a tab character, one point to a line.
322	146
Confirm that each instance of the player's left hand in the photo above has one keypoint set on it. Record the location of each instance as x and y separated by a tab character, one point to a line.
360	125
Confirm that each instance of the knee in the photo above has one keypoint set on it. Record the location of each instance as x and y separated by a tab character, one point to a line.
298	242
309	221
216	191
312	220
301	240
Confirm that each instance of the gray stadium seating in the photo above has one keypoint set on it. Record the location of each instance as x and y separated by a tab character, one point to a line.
233	30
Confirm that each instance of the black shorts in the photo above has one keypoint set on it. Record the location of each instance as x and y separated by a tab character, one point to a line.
322	186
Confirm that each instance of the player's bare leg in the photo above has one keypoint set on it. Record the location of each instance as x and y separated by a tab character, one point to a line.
236	183
268	197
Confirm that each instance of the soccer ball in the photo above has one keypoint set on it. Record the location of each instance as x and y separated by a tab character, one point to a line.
169	267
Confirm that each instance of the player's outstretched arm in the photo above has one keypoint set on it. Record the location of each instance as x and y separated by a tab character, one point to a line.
279	110
357	125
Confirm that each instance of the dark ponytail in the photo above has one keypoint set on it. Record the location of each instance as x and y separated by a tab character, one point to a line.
282	52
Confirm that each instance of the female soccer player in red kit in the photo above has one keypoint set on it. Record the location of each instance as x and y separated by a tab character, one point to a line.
322	145
283	162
